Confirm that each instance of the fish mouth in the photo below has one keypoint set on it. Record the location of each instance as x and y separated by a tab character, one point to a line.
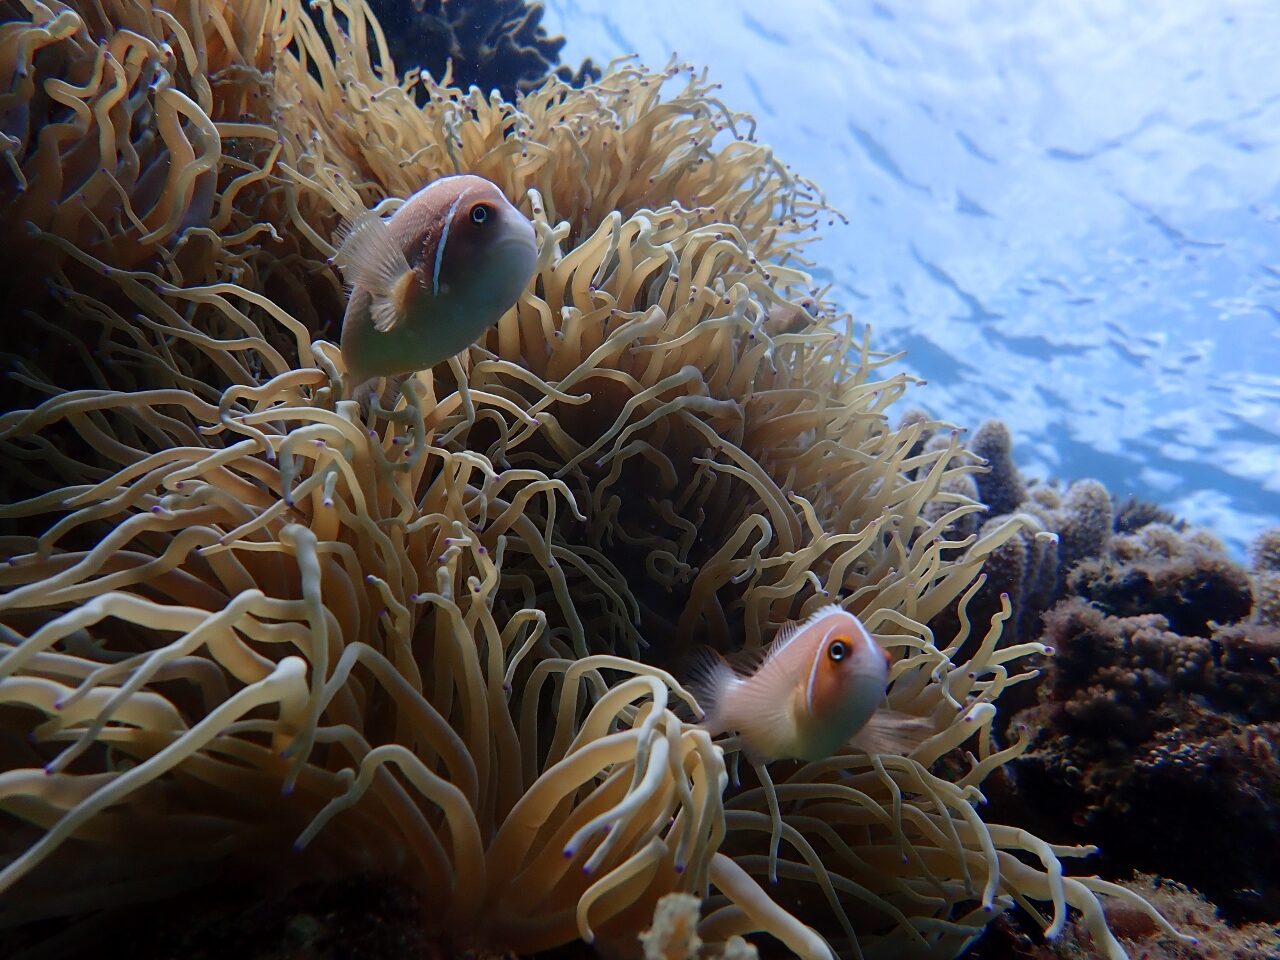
518	252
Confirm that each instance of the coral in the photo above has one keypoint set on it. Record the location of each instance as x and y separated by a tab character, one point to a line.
1139	725
255	634
1265	576
1215	939
1002	488
491	44
1133	513
1127	559
1084	524
1188	579
1265	551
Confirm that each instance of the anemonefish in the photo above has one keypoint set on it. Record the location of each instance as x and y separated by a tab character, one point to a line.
427	282
819	686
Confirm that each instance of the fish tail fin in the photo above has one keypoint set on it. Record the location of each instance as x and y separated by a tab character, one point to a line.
370	259
709	676
891	731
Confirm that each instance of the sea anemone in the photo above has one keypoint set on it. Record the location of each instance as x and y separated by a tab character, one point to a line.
252	629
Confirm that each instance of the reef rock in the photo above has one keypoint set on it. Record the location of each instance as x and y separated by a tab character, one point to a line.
1158	747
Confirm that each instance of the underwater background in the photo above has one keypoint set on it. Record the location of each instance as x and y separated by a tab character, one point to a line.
1065	217
1067	214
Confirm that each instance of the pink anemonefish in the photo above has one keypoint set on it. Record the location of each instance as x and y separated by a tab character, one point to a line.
819	686
426	283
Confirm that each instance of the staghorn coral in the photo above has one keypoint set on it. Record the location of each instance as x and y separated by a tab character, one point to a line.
491	44
254	633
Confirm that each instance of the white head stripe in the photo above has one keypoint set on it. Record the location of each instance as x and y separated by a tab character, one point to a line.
813	668
444	238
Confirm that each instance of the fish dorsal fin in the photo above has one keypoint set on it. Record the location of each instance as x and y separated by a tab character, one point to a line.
370	258
788	631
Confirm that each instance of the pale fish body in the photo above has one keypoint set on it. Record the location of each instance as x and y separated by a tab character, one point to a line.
819	687
426	283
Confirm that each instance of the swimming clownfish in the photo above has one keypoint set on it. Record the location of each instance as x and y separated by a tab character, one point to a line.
426	283
820	686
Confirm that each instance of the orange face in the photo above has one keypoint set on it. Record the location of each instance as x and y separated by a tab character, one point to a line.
849	674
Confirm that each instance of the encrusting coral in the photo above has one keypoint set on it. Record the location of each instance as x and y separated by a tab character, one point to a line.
254	632
1137	722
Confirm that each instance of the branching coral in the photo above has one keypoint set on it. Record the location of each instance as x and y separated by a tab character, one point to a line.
268	629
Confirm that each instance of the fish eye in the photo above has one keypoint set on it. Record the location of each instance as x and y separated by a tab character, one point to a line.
480	213
838	650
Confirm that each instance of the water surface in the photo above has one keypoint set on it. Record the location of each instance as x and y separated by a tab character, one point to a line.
1068	214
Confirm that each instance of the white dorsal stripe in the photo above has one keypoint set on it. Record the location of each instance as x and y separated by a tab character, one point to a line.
817	660
444	238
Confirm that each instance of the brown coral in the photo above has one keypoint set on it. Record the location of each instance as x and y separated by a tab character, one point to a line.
1134	745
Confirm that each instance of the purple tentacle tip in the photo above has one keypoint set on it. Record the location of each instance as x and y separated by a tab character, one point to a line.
48	769
680	868
568	853
58	704
988	908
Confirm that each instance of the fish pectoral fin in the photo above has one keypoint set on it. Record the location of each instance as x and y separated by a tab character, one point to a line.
891	731
387	310
370	259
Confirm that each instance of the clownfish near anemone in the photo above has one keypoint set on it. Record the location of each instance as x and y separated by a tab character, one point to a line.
426	283
818	688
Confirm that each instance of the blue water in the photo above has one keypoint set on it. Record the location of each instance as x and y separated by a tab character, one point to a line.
1067	213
